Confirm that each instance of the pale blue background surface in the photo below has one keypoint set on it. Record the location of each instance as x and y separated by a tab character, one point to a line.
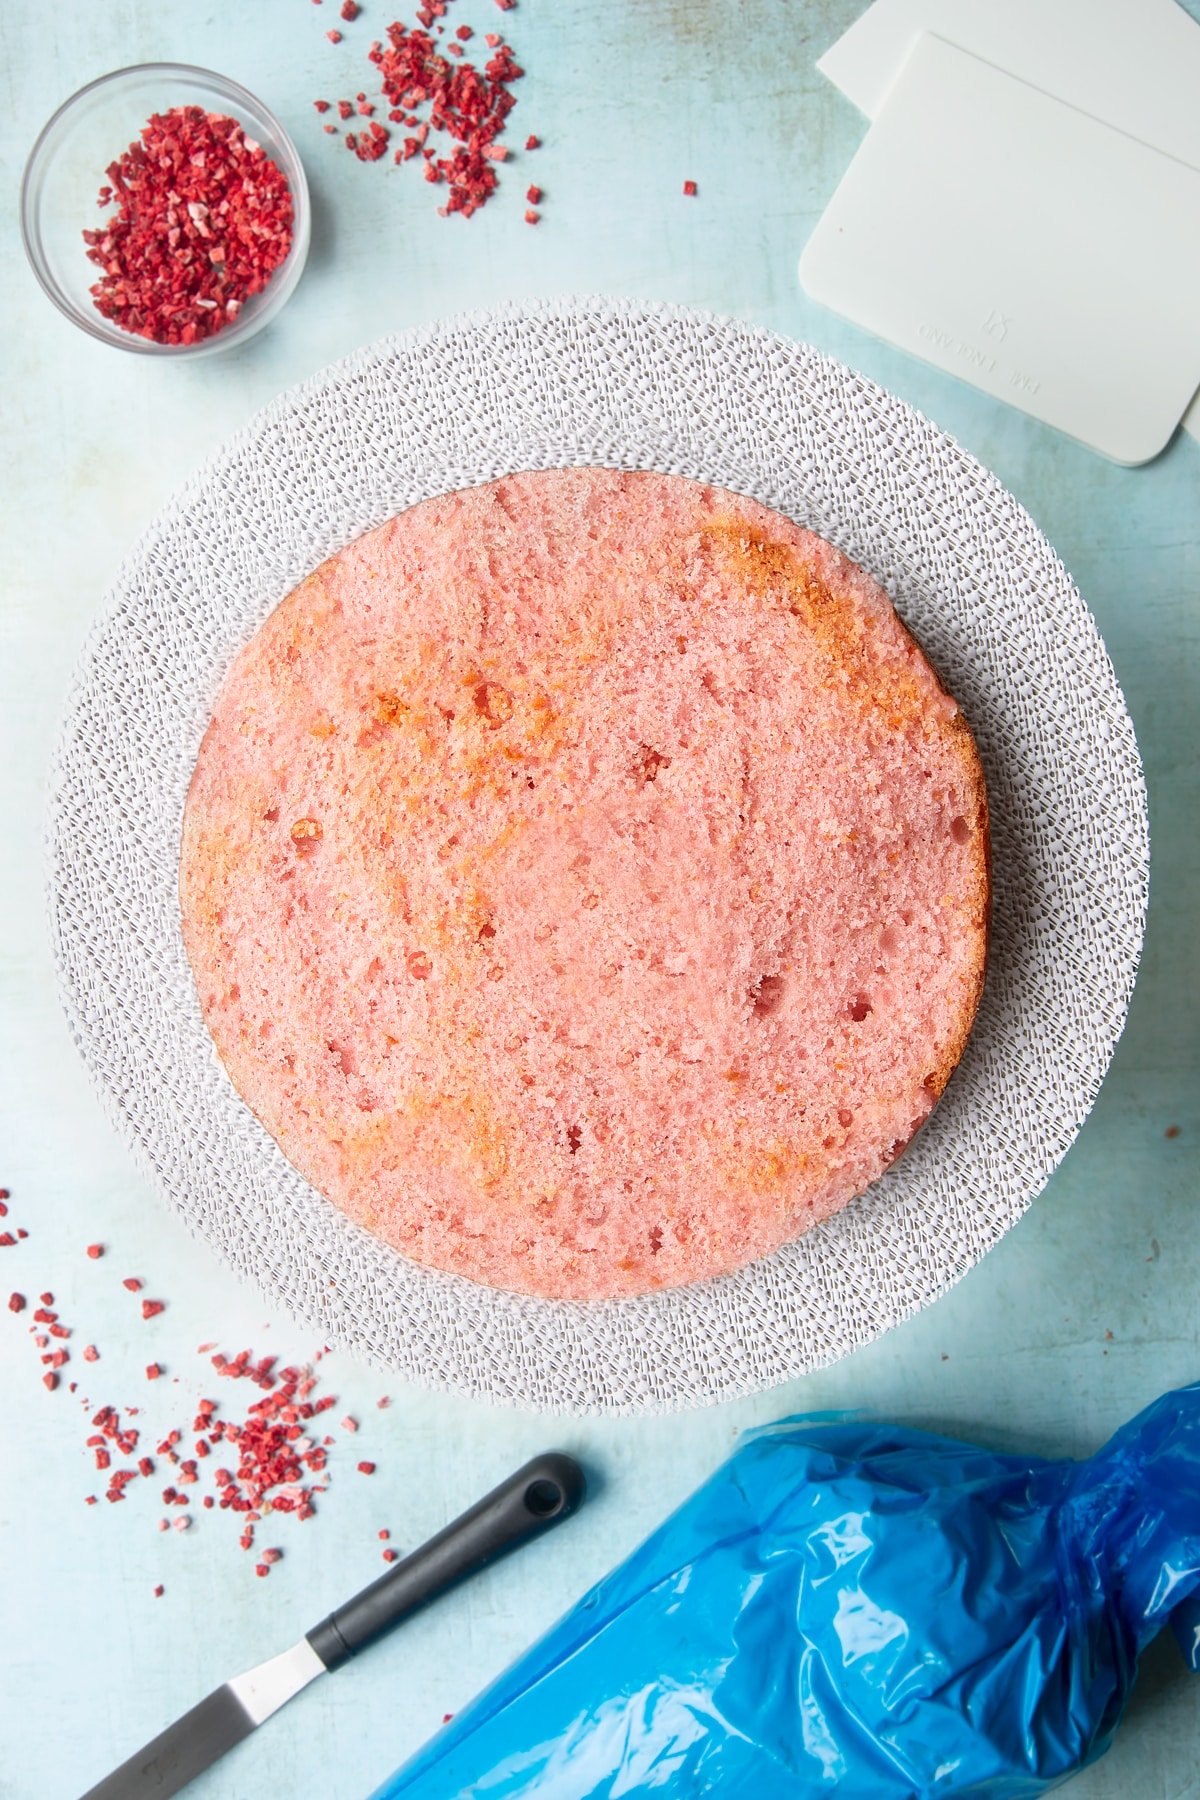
631	97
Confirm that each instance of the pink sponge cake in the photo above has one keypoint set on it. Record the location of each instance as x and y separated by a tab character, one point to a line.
586	881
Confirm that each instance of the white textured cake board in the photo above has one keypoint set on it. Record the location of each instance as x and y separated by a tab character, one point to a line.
630	386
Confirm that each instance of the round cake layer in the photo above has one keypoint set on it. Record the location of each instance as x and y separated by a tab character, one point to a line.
585	879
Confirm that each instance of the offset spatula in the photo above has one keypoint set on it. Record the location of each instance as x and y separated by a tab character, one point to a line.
546	1490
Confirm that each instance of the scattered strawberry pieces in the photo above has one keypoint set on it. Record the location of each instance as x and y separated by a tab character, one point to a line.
532	216
468	105
533	195
533	143
159	1591
369	145
7	1240
95	1251
335	37
384	1535
389	1556
689	188
350	10
321	106
272	1459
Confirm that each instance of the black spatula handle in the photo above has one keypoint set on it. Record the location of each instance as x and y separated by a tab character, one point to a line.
546	1490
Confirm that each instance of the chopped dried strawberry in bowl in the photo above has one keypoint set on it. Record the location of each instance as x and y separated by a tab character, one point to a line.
164	209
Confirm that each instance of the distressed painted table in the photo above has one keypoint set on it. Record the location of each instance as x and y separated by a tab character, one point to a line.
1084	1313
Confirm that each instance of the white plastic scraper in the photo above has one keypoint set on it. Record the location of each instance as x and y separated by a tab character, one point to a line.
1133	63
1011	239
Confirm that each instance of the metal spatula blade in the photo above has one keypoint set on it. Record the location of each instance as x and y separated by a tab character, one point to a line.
221	1720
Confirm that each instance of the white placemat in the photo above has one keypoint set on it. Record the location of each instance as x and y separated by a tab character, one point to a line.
639	387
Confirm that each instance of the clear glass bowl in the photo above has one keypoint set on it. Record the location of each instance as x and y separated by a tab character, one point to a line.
66	169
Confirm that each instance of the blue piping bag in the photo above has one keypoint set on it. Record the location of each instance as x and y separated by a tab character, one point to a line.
858	1609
